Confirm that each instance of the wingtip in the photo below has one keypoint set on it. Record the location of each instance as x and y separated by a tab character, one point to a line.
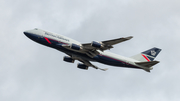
130	37
103	69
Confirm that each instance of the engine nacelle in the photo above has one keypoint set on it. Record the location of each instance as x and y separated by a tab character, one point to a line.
68	59
76	47
96	44
82	66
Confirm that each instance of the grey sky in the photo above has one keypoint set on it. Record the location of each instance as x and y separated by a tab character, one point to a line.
30	71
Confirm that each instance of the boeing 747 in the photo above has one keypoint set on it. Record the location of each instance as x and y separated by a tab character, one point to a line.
94	51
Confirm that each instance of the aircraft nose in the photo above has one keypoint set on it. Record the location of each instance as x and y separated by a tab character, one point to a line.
26	33
29	34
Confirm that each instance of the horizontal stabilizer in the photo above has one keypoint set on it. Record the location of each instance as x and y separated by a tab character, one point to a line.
147	64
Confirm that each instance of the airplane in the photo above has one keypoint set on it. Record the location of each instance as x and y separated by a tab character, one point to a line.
94	51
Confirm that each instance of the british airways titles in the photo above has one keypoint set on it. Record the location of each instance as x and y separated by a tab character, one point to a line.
59	37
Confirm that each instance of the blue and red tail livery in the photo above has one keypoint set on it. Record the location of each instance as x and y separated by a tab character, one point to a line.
151	53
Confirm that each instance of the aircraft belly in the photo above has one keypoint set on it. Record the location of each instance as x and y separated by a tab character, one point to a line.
108	61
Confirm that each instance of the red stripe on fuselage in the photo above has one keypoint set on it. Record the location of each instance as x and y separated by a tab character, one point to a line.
47	40
145	57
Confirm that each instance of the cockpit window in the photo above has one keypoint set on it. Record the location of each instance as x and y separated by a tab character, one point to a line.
35	28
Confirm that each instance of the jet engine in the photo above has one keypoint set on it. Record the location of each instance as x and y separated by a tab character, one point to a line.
82	66
68	59
96	44
76	47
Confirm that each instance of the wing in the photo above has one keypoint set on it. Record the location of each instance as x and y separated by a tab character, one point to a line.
86	62
91	51
106	44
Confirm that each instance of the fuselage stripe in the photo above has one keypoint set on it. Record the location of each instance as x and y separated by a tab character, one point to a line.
47	40
145	57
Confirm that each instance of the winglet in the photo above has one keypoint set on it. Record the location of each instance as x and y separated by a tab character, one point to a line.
99	68
103	69
128	38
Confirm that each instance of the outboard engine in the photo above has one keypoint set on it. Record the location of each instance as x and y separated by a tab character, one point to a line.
68	59
76	47
96	44
82	66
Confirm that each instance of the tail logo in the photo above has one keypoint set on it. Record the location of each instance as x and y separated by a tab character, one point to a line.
153	53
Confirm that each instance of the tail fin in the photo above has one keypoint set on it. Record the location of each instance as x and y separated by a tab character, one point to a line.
148	55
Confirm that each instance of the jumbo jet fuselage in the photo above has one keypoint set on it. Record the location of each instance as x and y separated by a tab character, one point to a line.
75	51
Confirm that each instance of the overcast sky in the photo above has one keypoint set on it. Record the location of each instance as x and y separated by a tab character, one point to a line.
33	72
